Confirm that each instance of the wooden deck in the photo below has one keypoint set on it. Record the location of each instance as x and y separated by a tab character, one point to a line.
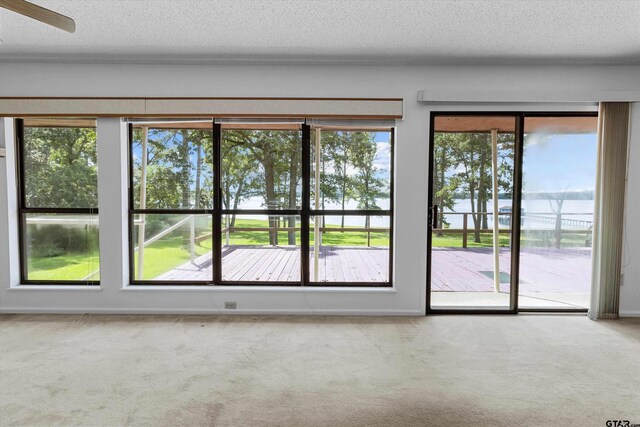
282	264
453	269
541	270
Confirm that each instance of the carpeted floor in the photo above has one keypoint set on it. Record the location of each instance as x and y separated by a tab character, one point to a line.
312	371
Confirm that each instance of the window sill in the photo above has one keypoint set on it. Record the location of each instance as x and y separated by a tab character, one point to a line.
276	289
55	288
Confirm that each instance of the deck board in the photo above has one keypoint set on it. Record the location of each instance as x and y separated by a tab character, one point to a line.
282	264
541	269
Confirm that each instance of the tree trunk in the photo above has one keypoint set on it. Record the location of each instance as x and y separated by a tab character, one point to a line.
442	166
343	190
269	178
482	192
185	182
485	221
474	214
198	174
293	183
184	157
236	202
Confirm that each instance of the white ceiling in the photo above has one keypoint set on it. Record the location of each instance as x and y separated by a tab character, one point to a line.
443	32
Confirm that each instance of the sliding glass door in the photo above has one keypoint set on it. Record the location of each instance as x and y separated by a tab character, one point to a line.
510	224
470	218
559	173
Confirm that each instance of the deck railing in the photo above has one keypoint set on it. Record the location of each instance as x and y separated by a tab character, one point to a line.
505	219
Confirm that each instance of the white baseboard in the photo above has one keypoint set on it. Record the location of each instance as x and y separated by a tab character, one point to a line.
214	312
627	313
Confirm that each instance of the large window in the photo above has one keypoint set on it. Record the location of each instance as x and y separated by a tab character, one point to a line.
58	201
249	203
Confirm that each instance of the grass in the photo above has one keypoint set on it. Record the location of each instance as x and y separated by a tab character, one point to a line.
330	238
65	267
167	254
529	238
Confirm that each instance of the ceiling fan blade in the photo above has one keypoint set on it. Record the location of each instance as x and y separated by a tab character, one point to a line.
40	13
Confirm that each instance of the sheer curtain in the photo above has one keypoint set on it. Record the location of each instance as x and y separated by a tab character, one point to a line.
613	134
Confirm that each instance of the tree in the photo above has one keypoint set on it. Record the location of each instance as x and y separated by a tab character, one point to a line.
368	186
60	172
61	167
443	188
277	153
469	173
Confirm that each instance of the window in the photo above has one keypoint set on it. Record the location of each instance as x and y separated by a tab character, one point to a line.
171	197
261	202
234	202
58	201
351	194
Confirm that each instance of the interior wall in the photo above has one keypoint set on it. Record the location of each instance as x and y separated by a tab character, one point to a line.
630	284
153	80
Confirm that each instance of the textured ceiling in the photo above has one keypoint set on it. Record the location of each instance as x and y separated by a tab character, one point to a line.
448	32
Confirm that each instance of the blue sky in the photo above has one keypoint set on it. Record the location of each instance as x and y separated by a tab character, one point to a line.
559	162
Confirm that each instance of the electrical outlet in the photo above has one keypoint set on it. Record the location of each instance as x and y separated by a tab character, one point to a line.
230	305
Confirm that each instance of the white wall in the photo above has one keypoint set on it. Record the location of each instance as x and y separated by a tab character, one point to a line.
408	294
630	288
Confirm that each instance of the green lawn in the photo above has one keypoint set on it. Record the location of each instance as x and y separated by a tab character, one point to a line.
65	267
167	254
537	239
336	238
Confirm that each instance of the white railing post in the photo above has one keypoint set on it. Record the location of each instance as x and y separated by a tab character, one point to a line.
316	225
143	201
192	238
496	223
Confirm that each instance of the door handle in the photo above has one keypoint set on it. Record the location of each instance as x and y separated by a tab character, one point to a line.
433	216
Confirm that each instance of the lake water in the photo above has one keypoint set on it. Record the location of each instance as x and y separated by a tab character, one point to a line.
355	221
533	210
571	209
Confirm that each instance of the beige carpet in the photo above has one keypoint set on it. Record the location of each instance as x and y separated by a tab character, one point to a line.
313	371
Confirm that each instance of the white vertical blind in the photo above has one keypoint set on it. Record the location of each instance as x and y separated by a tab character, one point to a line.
613	135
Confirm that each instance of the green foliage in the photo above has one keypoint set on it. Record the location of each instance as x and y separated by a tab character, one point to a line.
179	168
463	169
55	240
60	167
349	171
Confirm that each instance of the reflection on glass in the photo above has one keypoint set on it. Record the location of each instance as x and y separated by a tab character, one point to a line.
261	168
174	247
175	165
471	254
349	249
62	247
559	170
61	166
354	169
260	248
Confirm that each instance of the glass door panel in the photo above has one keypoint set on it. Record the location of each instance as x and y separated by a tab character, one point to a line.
559	173
470	218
